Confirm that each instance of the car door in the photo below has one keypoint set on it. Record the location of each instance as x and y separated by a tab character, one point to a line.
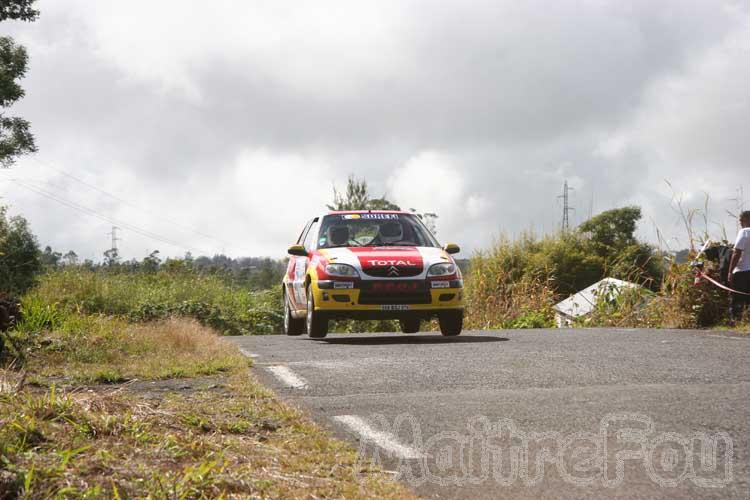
292	272
300	266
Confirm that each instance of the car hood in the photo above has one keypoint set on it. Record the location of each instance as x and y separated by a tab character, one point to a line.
387	262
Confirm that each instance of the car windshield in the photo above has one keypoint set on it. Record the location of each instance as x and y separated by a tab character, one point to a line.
374	229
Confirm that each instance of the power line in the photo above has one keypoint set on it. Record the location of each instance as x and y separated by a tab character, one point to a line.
126	202
93	213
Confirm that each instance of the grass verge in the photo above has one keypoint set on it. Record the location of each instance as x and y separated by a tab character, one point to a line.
224	436
98	349
190	422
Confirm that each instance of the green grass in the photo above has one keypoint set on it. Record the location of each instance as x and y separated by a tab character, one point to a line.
110	350
140	297
233	440
77	430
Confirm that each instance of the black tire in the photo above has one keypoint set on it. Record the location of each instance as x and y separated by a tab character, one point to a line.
316	324
451	323
409	325
292	326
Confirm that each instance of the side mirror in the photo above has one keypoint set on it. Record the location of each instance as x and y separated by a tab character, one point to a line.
297	250
451	248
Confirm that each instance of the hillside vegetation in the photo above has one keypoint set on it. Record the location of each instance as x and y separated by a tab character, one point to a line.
515	283
171	291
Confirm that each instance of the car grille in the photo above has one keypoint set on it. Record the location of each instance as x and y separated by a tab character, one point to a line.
390	271
394	292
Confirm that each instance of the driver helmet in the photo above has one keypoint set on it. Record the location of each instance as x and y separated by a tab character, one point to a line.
391	232
338	235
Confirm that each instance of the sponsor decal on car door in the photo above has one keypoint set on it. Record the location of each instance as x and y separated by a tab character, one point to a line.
298	283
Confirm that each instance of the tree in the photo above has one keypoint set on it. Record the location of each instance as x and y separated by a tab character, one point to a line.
612	230
381	204
357	197
50	259
21	10
111	257
612	237
16	138
151	263
70	258
19	254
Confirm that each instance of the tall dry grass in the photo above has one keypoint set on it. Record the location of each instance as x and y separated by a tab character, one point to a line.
107	350
506	288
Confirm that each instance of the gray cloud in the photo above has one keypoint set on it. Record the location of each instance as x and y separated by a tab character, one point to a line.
238	119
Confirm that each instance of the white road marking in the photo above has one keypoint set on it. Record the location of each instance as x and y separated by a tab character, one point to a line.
385	440
247	353
287	376
728	337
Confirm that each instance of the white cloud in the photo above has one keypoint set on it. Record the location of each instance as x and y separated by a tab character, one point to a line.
433	182
237	117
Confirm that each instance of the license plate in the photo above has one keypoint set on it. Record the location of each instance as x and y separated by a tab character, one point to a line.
395	307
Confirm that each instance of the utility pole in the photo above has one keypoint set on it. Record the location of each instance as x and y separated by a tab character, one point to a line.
115	239
566	207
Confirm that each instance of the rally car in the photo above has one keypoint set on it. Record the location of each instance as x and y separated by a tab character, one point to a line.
371	265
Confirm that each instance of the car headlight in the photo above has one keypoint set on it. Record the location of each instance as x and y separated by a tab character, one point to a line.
343	270
442	269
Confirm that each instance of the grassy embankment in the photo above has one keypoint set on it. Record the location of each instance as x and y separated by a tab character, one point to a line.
98	404
515	283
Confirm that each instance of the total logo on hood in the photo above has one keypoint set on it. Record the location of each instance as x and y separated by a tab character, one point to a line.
406	263
387	262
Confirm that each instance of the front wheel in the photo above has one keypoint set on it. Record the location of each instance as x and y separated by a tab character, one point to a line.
317	325
451	323
292	326
409	325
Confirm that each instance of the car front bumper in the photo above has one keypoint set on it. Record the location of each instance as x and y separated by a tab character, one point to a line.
364	301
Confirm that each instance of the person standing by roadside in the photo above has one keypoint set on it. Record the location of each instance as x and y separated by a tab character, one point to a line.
739	269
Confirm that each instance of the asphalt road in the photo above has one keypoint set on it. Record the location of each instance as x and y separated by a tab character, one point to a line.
574	414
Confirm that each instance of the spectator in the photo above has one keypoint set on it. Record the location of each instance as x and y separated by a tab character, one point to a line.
739	275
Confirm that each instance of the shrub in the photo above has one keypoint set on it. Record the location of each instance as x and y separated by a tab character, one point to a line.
506	284
19	254
150	296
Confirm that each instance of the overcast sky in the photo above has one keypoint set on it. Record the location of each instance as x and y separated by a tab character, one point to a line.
233	119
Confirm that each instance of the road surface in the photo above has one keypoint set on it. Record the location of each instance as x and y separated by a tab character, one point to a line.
587	413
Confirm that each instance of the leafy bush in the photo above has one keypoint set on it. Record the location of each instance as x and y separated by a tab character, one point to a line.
515	283
680	303
19	254
506	284
144	297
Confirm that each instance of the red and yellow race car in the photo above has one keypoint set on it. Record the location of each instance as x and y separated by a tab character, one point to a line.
371	265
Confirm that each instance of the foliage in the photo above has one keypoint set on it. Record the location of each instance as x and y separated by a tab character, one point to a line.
611	236
256	273
101	349
503	288
22	10
179	291
612	230
225	437
357	197
15	137
49	258
679	303
515	283
19	254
